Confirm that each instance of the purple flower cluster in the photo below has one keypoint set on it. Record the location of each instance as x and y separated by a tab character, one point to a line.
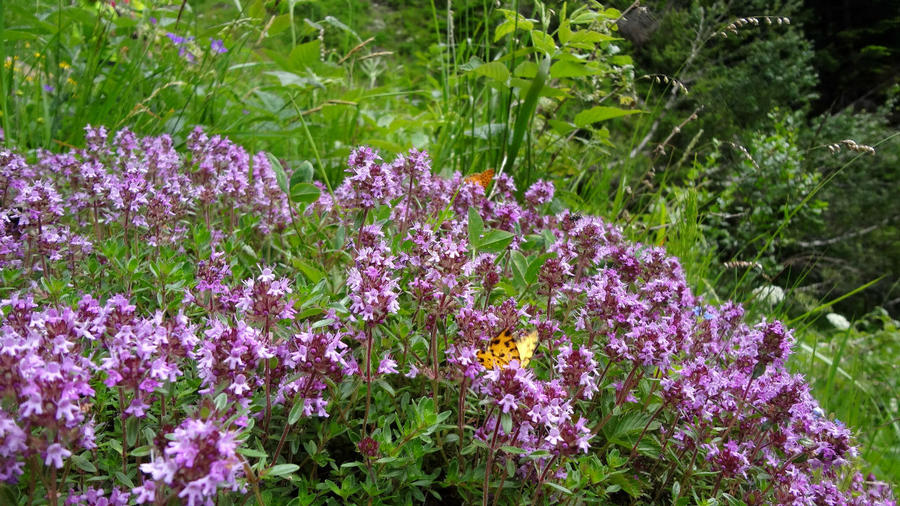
724	385
141	186
618	330
144	353
95	496
200	458
306	361
373	287
542	413
47	380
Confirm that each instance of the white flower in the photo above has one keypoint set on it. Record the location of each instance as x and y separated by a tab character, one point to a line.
771	294
838	321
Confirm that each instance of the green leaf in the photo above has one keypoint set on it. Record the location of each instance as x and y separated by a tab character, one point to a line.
305	193
221	401
303	173
280	175
526	69
519	266
291	79
602	113
314	275
280	470
559	488
124	479
476	227
250	452
514	21
84	464
535	266
133	425
494	70
543	42
296	412
306	55
496	241
565	68
620	427
506	422
524	114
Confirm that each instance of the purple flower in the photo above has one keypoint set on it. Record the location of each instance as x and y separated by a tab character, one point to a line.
374	290
387	365
369	184
368	447
199	459
217	46
55	455
265	299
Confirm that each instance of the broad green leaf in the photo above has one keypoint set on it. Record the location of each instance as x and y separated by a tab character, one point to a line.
506	422
314	275
519	266
305	193
494	70
306	55
564	68
496	241
280	470
543	42
535	266
601	113
280	175
526	69
84	464
296	412
303	173
291	79
476	227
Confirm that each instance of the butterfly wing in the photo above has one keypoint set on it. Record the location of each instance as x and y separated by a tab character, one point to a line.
482	178
486	358
525	347
500	352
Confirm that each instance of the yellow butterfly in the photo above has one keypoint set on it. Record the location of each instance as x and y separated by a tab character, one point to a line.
503	349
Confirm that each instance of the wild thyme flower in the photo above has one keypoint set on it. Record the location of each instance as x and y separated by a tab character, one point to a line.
578	370
229	351
200	459
139	361
95	496
49	381
12	447
306	360
369	183
265	300
484	266
373	288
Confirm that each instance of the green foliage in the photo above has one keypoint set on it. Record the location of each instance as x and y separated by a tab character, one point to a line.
855	375
752	190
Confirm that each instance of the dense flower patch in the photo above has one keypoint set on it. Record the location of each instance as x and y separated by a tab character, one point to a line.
231	378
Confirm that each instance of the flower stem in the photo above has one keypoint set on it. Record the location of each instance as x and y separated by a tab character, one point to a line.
123	417
365	427
489	464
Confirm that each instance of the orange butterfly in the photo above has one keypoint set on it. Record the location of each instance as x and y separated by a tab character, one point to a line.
481	178
503	349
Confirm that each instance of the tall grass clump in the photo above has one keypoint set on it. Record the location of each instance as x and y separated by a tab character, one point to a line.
199	326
